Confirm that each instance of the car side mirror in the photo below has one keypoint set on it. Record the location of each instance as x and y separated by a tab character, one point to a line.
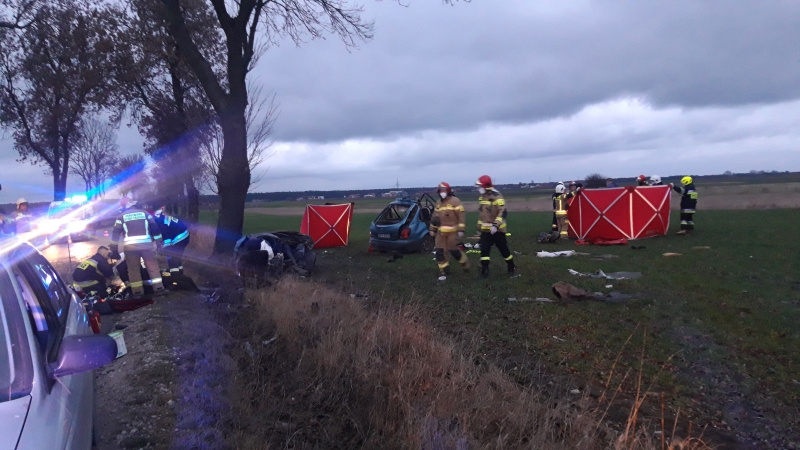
83	353
425	214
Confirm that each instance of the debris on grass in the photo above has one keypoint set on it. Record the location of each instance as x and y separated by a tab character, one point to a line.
675	254
566	291
559	339
608	276
701	247
529	299
566	253
638	247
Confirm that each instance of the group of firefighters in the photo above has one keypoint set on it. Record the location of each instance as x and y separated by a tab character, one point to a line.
141	235
448	223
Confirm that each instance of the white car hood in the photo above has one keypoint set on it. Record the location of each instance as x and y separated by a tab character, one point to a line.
12	419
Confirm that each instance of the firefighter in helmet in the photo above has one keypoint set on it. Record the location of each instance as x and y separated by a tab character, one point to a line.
139	234
655	180
22	218
555	220
688	204
561	201
492	225
176	238
641	180
447	225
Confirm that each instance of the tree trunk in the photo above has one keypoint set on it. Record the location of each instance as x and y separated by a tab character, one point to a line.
233	180
59	186
192	200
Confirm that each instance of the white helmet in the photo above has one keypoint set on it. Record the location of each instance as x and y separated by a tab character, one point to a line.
560	189
655	179
20	201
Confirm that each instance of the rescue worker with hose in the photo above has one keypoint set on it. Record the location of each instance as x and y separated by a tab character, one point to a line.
176	238
447	225
91	275
492	225
688	204
139	233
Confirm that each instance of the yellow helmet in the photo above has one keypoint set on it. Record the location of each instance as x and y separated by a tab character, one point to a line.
686	180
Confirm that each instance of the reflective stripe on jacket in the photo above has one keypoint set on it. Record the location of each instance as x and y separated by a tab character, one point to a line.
491	210
172	229
137	229
451	215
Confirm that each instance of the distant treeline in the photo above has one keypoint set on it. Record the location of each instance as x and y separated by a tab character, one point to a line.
742	178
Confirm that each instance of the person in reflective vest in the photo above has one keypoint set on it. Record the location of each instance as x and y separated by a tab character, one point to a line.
176	238
561	202
688	204
555	220
447	225
492	225
91	274
139	234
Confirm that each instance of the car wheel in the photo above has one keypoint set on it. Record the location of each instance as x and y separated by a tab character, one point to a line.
427	244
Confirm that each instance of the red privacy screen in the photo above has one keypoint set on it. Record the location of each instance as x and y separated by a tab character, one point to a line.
628	212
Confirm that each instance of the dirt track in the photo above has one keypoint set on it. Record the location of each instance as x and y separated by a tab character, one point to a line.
761	196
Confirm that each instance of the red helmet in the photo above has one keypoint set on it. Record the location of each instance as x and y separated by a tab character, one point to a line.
443	186
484	181
641	178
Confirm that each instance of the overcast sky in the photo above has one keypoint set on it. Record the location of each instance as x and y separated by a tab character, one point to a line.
526	90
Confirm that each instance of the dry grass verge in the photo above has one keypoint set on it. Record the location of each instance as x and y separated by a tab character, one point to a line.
318	370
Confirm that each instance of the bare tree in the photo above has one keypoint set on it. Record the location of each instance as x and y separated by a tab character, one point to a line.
261	116
95	155
163	96
244	24
18	14
129	174
51	75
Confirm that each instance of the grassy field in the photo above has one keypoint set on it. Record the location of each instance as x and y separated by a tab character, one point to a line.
715	329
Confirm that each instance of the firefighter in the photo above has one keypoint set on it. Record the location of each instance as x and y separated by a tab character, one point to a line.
91	275
655	180
176	238
139	233
641	180
447	225
688	204
555	220
575	187
492	225
561	201
21	218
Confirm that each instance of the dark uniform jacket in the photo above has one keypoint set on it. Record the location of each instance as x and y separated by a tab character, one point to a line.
172	230
136	229
94	268
688	197
22	221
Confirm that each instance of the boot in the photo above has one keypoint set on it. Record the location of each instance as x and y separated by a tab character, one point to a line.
484	271
512	269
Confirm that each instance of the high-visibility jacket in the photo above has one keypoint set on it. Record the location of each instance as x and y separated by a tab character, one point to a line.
136	228
172	229
89	272
561	203
491	210
688	197
451	215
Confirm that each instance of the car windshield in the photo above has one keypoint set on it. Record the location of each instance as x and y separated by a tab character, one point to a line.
392	214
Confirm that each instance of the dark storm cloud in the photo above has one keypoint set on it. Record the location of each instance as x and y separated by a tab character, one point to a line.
436	67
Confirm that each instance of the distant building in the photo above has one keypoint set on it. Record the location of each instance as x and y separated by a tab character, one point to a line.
369	196
354	196
300	199
316	197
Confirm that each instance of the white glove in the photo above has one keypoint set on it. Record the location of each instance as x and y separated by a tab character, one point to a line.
460	234
493	230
